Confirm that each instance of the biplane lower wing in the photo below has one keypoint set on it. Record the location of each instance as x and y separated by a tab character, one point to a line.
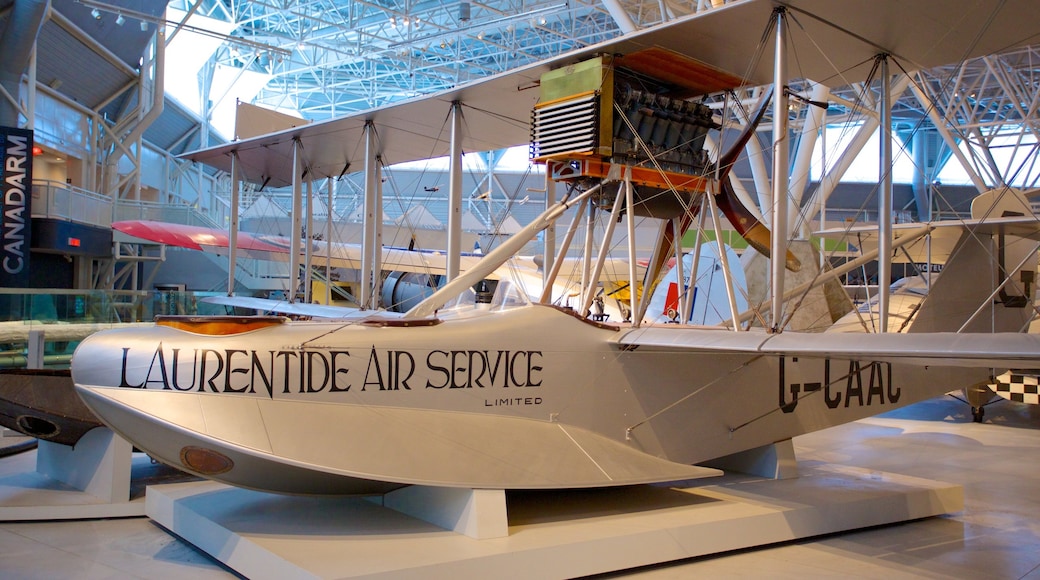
1001	350
295	308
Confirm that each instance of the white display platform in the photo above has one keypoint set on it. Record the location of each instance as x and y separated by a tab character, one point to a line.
551	534
100	477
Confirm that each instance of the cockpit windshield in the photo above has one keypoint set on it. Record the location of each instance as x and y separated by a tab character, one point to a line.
508	295
505	295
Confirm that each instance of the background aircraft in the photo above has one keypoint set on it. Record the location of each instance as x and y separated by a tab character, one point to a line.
998	243
413	274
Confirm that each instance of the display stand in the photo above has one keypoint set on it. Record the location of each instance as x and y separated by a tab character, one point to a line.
477	513
775	461
90	480
550	534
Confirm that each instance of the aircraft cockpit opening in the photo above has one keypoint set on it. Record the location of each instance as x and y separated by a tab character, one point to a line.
486	296
465	301
507	296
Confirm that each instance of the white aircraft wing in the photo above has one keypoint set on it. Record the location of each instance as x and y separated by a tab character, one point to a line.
1021	226
941	240
835	44
264	247
300	309
343	255
998	350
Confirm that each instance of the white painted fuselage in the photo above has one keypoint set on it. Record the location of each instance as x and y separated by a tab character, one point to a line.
524	397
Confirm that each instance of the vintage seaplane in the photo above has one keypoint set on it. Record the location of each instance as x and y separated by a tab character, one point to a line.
515	394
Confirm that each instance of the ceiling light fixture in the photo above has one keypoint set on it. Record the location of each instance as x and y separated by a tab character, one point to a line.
96	14
120	20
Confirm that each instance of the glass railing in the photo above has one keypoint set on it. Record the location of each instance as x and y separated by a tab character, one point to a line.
65	317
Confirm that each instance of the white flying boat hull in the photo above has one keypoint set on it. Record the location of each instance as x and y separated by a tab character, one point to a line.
490	399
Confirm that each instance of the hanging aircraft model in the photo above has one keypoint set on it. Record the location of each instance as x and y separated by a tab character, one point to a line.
521	395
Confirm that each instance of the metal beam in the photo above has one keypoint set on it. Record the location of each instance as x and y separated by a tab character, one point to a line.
885	198
454	249
297	220
372	213
778	243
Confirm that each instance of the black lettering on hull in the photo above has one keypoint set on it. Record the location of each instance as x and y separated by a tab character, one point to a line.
309	372
865	385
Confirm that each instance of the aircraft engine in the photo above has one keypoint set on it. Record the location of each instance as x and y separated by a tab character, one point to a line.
403	290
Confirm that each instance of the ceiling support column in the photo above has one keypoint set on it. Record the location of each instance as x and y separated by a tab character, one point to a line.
831	178
803	156
621	18
942	126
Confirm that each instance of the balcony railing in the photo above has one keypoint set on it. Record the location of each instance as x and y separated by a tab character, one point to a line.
65	202
55	200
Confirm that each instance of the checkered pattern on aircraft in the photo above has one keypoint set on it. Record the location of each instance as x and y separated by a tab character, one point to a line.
1018	387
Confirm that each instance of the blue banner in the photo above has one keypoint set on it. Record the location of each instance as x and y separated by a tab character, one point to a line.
16	179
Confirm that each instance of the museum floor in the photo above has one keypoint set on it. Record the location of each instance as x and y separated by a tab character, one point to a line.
996	536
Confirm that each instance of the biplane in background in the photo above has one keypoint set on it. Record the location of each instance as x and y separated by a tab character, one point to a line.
413	274
997	244
520	395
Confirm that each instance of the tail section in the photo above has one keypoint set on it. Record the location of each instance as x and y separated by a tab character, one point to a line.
988	282
710	300
1018	386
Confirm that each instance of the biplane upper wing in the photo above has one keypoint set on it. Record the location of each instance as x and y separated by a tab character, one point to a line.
835	44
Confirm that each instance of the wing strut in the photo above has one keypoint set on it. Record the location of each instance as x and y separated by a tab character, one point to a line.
496	257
